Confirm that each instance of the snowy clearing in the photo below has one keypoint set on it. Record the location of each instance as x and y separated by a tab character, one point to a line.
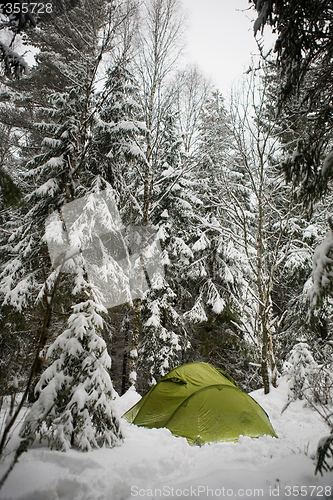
152	463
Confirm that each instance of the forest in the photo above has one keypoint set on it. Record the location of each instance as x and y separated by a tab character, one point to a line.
148	221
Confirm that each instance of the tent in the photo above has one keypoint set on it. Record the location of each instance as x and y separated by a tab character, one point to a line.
201	403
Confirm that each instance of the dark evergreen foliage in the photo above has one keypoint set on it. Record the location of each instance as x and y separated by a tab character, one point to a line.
324	453
304	50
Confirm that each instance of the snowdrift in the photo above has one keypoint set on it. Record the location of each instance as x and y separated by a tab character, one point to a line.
152	463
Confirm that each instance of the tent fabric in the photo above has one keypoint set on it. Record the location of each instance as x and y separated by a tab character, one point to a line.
201	403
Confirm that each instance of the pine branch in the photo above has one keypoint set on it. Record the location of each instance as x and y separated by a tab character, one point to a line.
324	452
11	193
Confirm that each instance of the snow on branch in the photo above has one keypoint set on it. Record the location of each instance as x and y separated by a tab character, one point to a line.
197	313
322	273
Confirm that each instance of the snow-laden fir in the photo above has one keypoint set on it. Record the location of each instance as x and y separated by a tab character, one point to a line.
74	404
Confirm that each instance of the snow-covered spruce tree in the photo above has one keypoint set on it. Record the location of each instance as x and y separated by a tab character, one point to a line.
212	246
74	405
164	337
217	316
215	276
74	395
119	140
317	297
27	275
17	139
298	369
292	295
119	158
293	278
54	176
60	173
163	332
139	148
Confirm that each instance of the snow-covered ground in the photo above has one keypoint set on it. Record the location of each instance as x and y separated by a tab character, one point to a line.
152	463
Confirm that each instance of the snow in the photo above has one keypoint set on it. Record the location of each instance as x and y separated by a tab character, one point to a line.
125	125
182	248
322	268
310	232
218	305
54	231
51	142
168	170
228	274
201	244
152	463
214	299
135	151
17	296
154	320
54	162
197	313
49	187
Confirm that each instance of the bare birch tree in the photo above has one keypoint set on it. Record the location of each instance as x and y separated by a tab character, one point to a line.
192	89
261	228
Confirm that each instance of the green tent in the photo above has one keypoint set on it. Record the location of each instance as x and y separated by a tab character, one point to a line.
203	404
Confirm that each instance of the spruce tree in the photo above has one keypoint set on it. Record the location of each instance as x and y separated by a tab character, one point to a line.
74	405
59	174
218	273
164	340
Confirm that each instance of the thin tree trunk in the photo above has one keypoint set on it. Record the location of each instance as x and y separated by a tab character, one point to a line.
43	333
133	363
124	374
274	372
264	361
